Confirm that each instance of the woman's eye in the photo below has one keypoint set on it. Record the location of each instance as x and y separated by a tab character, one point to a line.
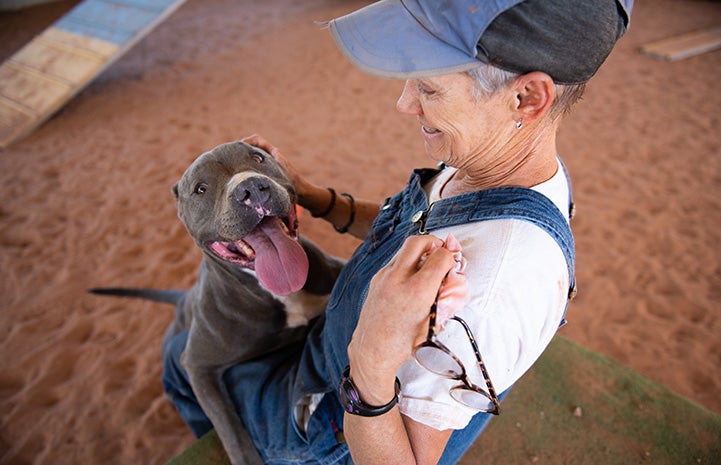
257	157
201	188
425	90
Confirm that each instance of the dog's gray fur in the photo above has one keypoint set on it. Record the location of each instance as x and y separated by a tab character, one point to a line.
230	315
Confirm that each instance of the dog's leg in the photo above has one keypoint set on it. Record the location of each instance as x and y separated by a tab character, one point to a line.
219	408
214	399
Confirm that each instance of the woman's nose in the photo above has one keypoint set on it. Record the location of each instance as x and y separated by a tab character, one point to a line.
408	101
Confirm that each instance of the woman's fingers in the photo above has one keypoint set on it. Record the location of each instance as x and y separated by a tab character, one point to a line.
411	280
424	258
259	141
414	251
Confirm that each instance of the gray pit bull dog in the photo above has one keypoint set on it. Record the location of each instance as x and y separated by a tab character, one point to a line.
259	283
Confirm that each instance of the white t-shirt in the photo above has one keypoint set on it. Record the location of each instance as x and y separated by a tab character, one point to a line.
518	284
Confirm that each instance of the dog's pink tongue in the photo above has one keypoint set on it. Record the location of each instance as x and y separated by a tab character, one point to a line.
280	262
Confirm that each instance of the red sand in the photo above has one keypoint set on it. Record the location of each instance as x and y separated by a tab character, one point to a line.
86	202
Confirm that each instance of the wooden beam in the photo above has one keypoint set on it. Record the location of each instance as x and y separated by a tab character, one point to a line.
58	63
684	46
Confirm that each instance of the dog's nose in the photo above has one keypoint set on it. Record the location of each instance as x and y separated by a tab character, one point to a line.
252	191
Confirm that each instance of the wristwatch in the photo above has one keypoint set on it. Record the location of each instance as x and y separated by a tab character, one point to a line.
351	400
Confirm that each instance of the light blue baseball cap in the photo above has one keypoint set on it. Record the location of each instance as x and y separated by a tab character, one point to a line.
567	39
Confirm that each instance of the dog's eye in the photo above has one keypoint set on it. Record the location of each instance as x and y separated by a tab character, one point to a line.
257	157
200	188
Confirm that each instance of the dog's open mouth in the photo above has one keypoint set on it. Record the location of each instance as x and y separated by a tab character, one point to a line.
273	251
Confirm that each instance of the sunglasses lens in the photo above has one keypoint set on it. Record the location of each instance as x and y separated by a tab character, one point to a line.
472	399
439	362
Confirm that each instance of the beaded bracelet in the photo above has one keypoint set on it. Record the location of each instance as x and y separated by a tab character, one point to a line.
330	205
344	229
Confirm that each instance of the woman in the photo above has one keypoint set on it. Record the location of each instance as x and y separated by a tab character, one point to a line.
488	85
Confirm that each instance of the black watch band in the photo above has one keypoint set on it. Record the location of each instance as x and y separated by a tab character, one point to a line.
351	400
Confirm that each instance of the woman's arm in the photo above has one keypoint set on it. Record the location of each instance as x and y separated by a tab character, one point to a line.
393	439
355	216
393	321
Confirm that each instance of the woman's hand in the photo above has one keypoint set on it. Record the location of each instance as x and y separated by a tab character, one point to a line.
394	318
310	196
453	293
334	208
301	185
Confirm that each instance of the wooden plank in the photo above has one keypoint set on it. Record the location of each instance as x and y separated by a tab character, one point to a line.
58	63
78	42
64	63
27	97
31	89
13	116
125	20
684	46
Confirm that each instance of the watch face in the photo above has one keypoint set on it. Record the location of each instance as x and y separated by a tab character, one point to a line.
349	396
352	403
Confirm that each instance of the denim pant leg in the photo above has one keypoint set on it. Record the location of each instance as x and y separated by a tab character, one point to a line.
461	440
177	387
262	393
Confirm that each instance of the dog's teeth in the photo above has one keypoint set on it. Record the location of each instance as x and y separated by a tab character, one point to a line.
283	226
244	248
239	248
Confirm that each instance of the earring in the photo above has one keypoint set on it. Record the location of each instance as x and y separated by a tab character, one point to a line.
519	123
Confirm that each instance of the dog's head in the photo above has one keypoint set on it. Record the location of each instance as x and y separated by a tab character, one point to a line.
238	204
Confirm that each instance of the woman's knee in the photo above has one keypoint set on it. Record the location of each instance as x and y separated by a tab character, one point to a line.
174	377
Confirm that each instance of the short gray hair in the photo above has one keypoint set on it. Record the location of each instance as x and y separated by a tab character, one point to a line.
490	79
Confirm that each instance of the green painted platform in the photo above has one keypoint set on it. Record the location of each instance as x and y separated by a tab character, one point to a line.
59	62
575	407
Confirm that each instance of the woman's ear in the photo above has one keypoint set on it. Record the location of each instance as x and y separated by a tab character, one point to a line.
535	92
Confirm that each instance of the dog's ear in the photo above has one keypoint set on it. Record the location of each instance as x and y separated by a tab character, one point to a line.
175	191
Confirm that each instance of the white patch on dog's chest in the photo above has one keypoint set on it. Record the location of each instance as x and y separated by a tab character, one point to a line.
301	307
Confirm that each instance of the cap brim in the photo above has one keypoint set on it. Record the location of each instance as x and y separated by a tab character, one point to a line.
385	40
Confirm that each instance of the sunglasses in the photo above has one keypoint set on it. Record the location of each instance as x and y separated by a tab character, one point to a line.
435	357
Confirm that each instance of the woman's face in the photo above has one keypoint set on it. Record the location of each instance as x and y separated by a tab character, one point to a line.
458	128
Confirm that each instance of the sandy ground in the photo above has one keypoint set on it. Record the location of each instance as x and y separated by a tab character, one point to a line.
86	201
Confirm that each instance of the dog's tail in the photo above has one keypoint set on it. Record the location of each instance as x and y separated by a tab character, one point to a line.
169	296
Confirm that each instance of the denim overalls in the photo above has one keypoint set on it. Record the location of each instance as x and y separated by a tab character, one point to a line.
266	390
